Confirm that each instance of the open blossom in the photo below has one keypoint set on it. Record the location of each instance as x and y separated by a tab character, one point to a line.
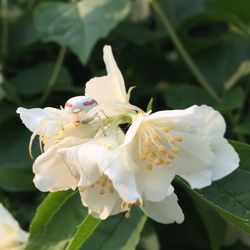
84	147
95	180
12	237
188	143
58	128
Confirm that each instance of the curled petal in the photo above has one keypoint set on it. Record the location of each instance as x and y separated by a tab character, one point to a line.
155	184
123	180
51	173
166	211
82	161
101	202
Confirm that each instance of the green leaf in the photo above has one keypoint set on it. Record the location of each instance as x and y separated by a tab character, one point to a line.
79	24
243	128
27	83
55	221
214	224
117	232
7	111
231	51
184	96
83	232
232	99
230	196
15	179
15	162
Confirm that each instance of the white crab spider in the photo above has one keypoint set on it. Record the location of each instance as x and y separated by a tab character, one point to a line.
79	103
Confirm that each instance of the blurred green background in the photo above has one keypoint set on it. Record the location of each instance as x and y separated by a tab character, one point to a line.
180	52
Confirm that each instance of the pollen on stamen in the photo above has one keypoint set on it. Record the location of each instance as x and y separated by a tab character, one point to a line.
123	204
111	190
149	166
175	149
170	156
178	138
102	191
166	129
127	214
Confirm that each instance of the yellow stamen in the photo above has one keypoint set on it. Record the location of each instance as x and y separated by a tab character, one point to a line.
127	214
178	138
170	156
123	204
175	149
149	167
111	190
166	129
102	191
147	143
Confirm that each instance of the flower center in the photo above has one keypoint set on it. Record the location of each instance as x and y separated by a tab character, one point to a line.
157	146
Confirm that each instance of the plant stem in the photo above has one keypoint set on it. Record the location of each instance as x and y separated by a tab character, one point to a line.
186	57
5	30
54	74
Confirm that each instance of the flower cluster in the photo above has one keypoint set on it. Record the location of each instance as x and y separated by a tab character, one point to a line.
84	146
12	237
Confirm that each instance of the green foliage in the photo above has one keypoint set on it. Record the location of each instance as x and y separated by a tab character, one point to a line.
230	196
79	24
203	58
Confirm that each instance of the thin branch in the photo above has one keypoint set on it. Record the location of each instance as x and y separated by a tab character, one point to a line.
54	75
183	52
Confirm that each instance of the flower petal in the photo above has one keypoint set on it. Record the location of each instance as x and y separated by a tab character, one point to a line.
226	159
123	180
166	211
51	173
194	154
155	184
108	88
41	121
83	163
184	120
101	205
214	124
199	179
11	234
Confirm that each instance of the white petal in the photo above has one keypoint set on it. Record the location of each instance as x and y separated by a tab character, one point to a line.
51	173
155	184
185	120
134	127
83	162
101	205
166	211
10	232
214	123
108	88
199	179
194	154
226	159
41	121
123	180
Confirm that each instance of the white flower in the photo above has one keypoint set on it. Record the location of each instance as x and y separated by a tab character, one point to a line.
94	164
11	235
59	128
188	143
